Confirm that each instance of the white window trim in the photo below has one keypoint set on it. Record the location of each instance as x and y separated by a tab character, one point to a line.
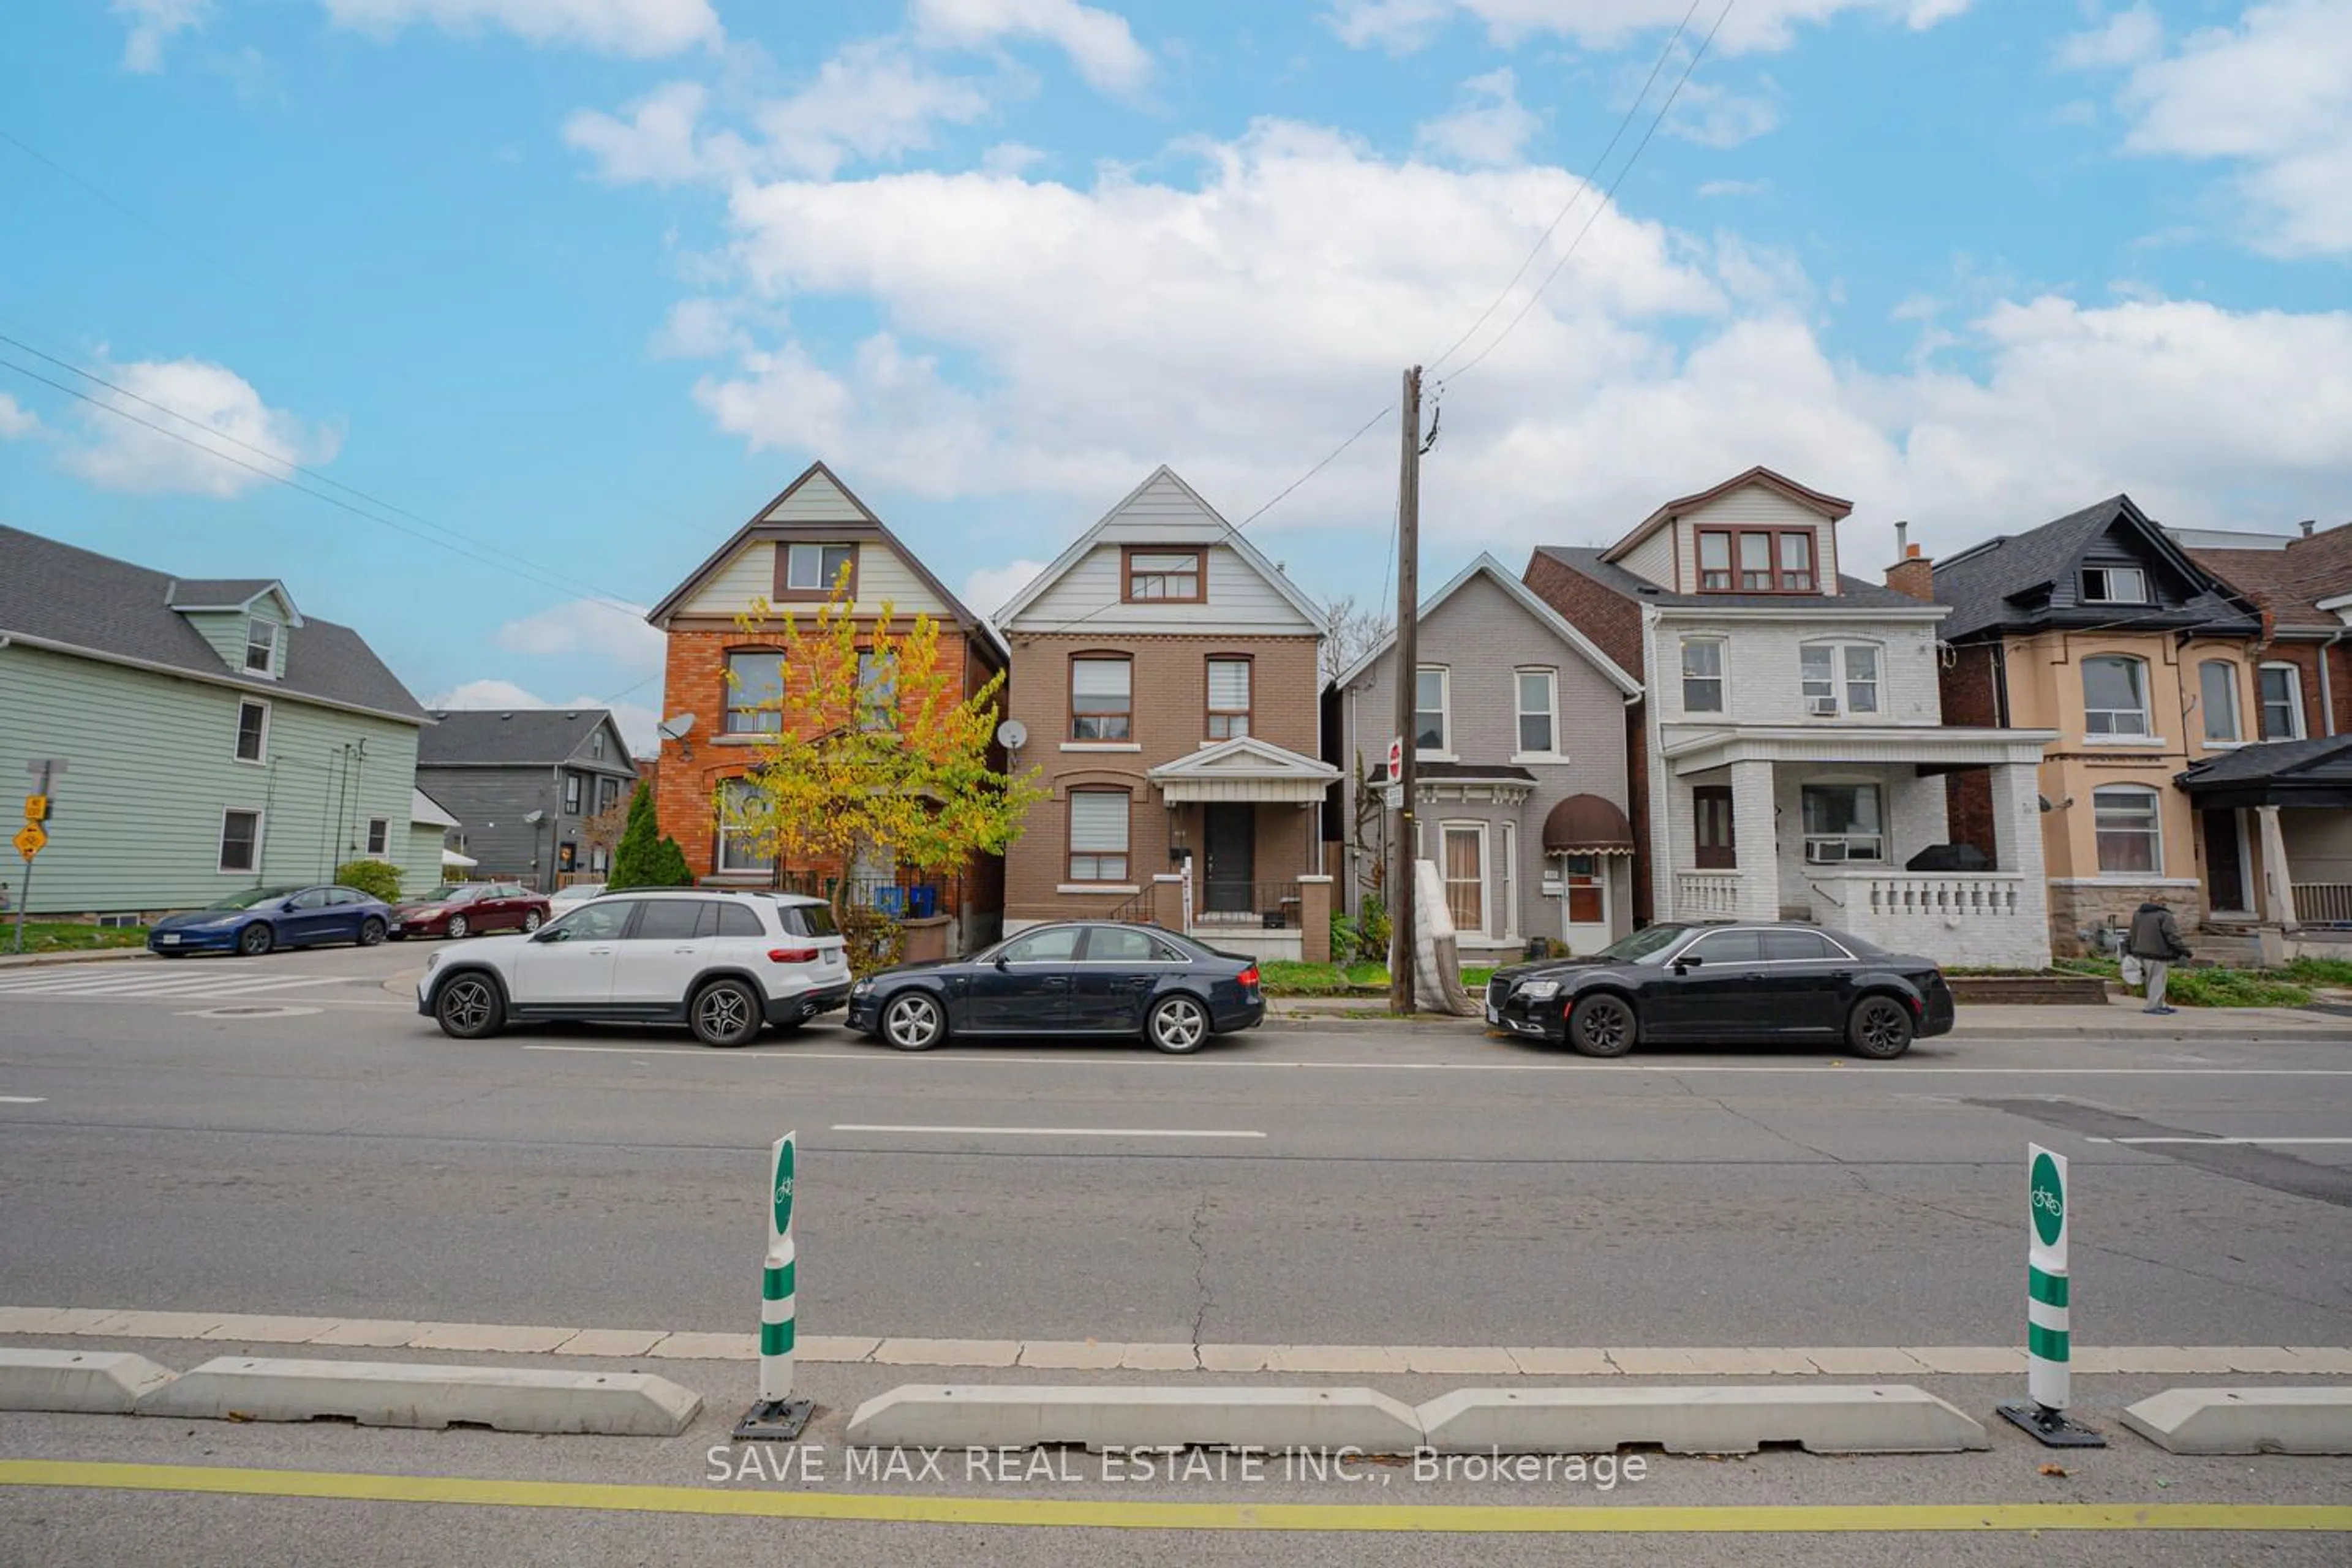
1444	673
1886	834
2237	736
220	843
1127	888
1552	712
2294	699
374	823
1722	677
2083	585
719	831
242	704
1507	879
2146	709
268	671
1486	870
1838	681
1114	745
2156	816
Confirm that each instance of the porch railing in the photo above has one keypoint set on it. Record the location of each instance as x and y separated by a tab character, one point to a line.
1264	905
1707	893
1140	910
2323	903
1932	896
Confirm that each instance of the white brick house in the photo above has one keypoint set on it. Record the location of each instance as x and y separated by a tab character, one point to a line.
1795	738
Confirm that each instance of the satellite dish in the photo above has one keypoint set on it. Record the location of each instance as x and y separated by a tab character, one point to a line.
1013	735
677	729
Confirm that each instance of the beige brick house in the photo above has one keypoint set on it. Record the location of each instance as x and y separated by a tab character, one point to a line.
1165	673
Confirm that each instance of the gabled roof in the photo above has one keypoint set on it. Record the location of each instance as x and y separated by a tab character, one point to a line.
763	525
1853	593
1994	584
1243	757
1494	570
520	737
1829	506
423	809
1232	538
75	601
186	594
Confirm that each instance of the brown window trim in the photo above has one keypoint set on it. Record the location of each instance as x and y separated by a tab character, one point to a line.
1199	555
1248	715
1722	857
728	693
1070	692
1813	553
786	594
1069	826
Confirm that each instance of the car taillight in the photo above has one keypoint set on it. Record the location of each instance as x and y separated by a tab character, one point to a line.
1248	976
792	955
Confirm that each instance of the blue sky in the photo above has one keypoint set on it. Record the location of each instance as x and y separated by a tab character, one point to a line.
563	290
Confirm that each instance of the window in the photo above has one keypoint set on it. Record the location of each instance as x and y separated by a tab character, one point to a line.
816	569
1173	575
1431	686
379	836
312	898
608	793
1727	947
2281	688
1229	698
1118	944
1099	834
1756	561
1055	944
2114	696
1101	699
261	646
1839	677
1586	899
1465	876
596	742
1538	726
2130	834
571	795
2114	585
1702	674
599	919
600	859
877	691
806	920
1507	883
739	844
1843	822
669	920
252	732
721	918
2217	686
1796	947
1711	809
755	691
240	840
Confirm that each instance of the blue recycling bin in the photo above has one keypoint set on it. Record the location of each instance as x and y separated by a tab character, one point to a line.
923	902
891	901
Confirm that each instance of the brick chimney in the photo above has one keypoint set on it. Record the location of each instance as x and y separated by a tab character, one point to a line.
1914	573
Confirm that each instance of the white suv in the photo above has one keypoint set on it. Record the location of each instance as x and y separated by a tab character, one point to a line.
724	964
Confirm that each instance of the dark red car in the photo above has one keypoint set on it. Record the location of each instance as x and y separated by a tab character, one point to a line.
470	909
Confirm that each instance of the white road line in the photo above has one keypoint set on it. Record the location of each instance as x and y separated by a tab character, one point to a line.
2139	1140
23	1100
1046	1131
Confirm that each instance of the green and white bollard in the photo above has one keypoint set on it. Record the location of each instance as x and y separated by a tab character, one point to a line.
778	1416
2049	1334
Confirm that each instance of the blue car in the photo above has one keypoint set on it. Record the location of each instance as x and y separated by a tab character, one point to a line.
259	919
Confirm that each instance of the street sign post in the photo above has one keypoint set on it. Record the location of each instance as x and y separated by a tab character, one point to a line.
777	1417
2048	1349
37	808
30	840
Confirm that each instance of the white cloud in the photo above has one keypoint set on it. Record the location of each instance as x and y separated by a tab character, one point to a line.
2125	38
1098	42
636	721
656	144
615	632
698	328
1492	127
116	454
153	24
1714	189
1403	25
1010	158
1716	116
2272	96
991	588
643	28
16	419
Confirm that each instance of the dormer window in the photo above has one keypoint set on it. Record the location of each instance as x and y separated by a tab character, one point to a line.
1756	561
812	571
260	646
1156	576
2114	585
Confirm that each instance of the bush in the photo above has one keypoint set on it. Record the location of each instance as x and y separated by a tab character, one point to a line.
668	867
633	858
1344	939
873	939
1372	930
2231	988
377	879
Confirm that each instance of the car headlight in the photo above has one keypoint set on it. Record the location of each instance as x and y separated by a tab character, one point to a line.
1539	990
861	988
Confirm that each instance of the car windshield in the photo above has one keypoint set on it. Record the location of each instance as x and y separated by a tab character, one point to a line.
1647	943
251	898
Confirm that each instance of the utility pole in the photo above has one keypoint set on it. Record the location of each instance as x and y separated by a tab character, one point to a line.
1408	681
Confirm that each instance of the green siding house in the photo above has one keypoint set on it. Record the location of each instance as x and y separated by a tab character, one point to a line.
214	738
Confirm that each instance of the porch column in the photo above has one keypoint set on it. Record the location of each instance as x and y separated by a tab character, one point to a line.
2017	820
1758	846
2277	888
1315	919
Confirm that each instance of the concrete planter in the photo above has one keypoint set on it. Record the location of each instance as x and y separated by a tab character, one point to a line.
2029	990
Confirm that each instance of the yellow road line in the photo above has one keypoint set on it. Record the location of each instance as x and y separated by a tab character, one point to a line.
1600	1519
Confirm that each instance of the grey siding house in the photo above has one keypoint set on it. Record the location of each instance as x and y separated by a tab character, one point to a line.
493	768
1522	793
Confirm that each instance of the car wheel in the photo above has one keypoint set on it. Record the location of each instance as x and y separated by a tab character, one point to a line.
1879	1027
468	1007
370	931
724	1012
531	923
1178	1025
458	926
256	939
1603	1025
913	1022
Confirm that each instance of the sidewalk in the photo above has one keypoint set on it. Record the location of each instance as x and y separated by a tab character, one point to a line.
91	955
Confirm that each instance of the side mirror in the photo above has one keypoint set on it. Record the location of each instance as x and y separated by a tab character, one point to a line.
1003	961
551	934
1687	962
288	907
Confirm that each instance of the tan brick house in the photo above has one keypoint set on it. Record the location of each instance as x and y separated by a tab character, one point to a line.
1165	673
790	553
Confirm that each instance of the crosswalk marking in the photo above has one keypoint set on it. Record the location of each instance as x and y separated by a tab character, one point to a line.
164	987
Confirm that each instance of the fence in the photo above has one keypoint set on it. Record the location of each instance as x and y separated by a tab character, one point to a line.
1264	905
2323	903
905	897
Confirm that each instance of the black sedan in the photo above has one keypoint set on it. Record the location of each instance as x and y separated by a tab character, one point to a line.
1087	978
1724	982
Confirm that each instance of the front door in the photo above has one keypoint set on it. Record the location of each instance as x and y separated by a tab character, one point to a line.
1717	849
2225	862
1229	837
1584	903
1710	991
1025	987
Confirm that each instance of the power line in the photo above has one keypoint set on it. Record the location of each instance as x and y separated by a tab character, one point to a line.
50	163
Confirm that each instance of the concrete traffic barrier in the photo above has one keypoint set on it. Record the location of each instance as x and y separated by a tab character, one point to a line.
1870	1418
934	1415
103	1383
400	1393
2246	1420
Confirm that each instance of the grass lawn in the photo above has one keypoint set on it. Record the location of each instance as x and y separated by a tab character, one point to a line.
2288	987
1284	977
68	936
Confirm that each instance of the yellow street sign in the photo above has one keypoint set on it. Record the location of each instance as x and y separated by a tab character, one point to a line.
37	808
30	840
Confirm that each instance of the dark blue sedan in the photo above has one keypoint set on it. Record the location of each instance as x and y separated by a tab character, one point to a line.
259	919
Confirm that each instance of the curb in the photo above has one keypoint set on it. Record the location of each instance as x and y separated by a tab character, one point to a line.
79	955
100	1383
931	1415
2245	1420
1870	1418
380	1394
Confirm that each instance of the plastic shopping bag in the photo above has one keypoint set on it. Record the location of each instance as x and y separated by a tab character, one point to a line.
2133	975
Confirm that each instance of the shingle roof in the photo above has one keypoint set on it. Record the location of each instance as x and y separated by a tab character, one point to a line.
59	593
2327	758
1852	594
216	592
1979	583
514	737
2289	583
1425	772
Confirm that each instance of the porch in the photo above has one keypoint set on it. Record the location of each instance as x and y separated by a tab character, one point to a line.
2274	826
1820	826
1244	835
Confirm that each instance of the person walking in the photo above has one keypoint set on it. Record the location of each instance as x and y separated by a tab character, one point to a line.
2156	941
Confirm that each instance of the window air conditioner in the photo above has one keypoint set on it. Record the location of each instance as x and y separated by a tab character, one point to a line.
1821	707
1825	853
